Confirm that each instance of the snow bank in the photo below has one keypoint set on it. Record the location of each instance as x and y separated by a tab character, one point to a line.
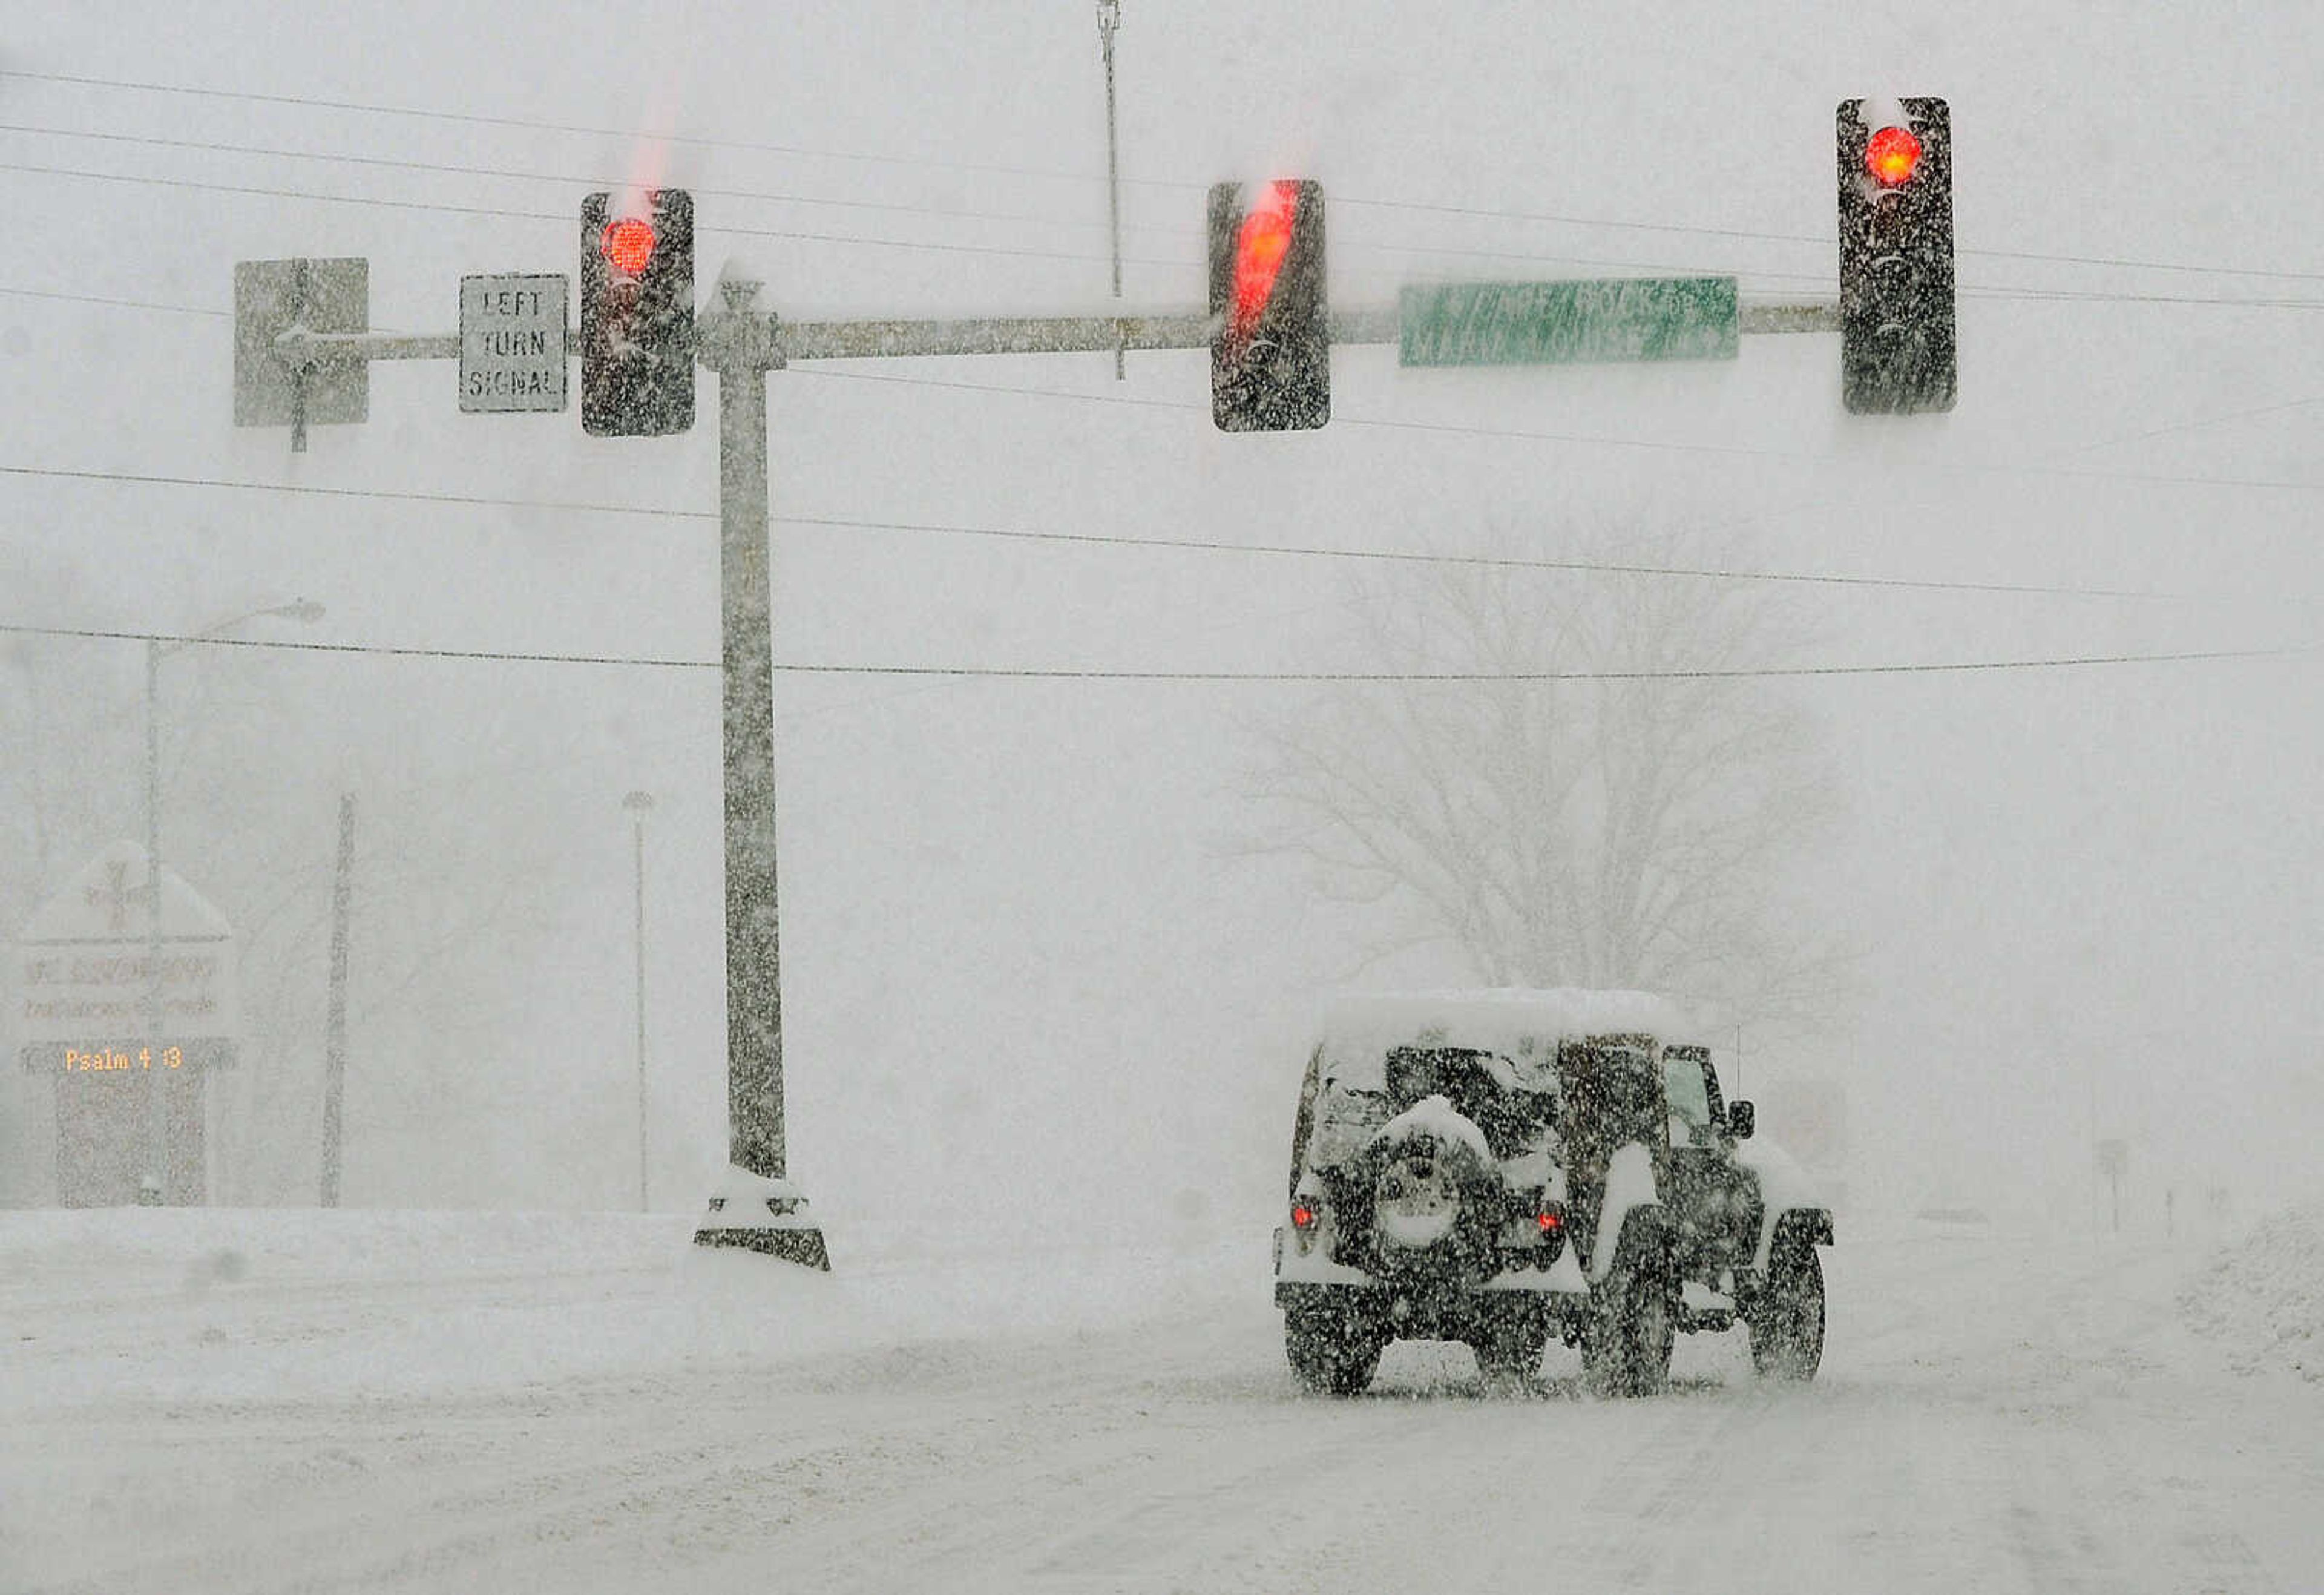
178	1303
2262	1299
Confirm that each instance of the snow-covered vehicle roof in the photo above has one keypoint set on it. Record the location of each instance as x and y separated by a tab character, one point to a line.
1521	1024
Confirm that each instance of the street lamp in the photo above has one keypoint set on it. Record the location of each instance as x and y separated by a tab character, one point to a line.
639	805
1109	22
152	1188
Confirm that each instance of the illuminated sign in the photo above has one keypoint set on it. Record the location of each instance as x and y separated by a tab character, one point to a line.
83	976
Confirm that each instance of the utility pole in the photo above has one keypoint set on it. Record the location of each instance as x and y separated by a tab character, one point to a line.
151	1191
153	1185
1109	21
335	1030
641	804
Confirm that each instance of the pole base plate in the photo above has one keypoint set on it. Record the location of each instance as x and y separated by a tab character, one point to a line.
803	1246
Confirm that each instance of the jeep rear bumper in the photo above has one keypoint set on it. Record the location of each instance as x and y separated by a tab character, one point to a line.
1432	1310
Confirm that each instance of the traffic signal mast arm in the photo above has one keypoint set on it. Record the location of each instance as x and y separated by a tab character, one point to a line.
1003	334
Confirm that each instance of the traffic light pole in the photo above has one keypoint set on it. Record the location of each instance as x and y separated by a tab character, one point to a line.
739	346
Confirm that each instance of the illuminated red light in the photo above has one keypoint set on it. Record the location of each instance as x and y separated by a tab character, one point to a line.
628	244
1303	1216
1552	1221
1890	154
1259	251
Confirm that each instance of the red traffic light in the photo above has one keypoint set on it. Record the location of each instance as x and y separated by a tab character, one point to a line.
628	244
1260	248
1890	154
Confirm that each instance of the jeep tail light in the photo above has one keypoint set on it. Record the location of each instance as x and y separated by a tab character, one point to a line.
1550	1216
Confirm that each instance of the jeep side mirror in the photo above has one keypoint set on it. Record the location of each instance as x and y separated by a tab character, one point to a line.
1739	1120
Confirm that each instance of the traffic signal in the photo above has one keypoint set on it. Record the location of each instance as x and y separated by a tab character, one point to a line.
637	317
1896	256
1271	335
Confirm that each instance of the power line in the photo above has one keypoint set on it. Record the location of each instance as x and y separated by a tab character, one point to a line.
1967	291
149	479
1190	261
2093	296
1511	434
1185	233
630	135
1576	438
503	655
2194	426
1414	204
436	168
1489	561
499	213
999	672
1188	234
252	191
1111	540
1945	667
123	304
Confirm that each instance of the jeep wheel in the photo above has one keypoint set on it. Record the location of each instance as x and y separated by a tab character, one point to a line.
1510	1351
1626	1351
1333	1351
1786	1322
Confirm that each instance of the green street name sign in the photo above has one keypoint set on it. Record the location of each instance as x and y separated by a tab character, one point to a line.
1550	323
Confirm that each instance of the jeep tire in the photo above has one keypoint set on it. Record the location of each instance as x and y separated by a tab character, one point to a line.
1786	1321
1510	1349
1626	1347
1333	1350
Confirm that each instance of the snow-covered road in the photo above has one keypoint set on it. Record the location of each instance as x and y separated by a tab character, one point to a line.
285	1402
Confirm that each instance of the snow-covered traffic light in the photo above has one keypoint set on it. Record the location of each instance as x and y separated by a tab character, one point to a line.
1896	352
1271	335
637	316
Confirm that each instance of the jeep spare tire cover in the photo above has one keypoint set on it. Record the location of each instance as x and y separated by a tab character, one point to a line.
1430	1176
1416	1199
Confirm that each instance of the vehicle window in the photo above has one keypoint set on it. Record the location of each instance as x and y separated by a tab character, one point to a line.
1483	1086
1344	1121
1690	1101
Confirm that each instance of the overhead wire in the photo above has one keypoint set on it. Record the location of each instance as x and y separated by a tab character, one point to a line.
736	229
401	495
123	304
502	213
1003	672
1766	672
1488	561
1436	207
1189	234
1168	544
824	372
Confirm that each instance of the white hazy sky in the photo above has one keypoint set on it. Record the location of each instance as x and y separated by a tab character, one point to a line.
1019	970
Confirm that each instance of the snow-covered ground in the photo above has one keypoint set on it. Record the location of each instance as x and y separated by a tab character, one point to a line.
2263	1299
292	1401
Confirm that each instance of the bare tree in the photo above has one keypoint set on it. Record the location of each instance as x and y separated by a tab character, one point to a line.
1635	829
